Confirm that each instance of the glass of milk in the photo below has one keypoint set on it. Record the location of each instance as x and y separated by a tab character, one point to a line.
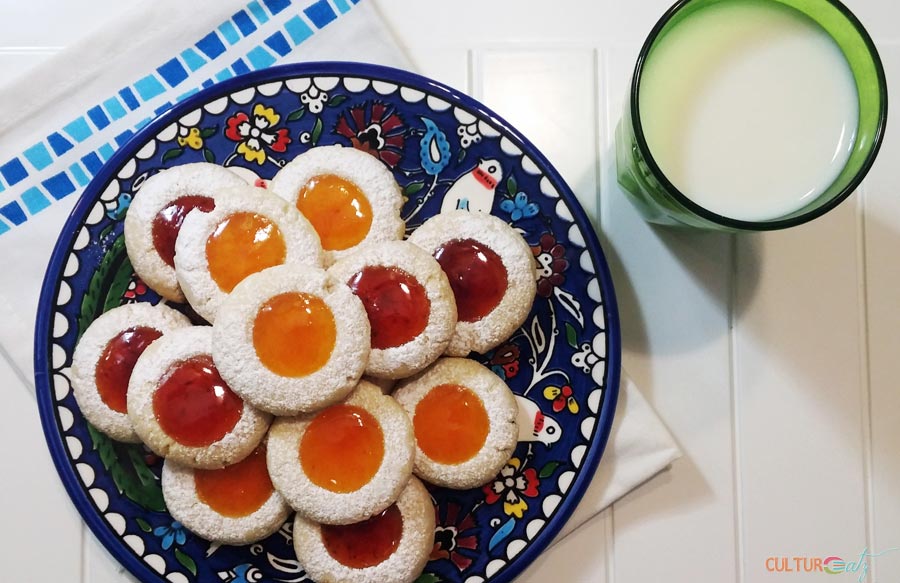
751	114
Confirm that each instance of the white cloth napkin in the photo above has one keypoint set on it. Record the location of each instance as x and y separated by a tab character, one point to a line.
56	105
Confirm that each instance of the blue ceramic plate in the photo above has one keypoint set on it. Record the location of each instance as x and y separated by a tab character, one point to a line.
563	364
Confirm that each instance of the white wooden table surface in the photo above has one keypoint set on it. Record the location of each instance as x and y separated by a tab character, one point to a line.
773	358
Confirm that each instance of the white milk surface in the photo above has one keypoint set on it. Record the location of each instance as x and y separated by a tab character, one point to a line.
749	108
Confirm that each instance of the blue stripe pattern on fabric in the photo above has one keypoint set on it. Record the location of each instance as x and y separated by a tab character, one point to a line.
211	45
105	152
78	129
34	200
276	6
59	186
260	58
279	44
192	59
229	32
98	117
258	12
14	213
149	87
114	108
130	100
320	13
342	6
59	144
13	171
92	162
298	30
122	138
80	177
173	72
244	23
240	67
38	156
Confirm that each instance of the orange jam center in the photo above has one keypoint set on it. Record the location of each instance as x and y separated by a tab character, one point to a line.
294	334
193	405
342	448
113	370
167	223
338	210
237	490
367	543
477	276
241	245
396	303
451	424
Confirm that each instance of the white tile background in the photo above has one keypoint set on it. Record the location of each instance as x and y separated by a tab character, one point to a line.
773	358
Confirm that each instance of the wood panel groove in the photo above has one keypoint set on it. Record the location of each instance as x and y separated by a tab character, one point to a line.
736	454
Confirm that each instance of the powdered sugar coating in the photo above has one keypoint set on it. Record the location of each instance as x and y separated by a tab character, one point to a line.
153	364
191	265
365	171
89	350
180	493
495	328
499	404
404	565
161	189
327	507
240	366
409	358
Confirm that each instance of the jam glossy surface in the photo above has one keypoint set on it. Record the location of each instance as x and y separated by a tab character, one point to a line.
451	424
114	368
338	210
396	303
367	543
241	245
477	276
294	334
236	490
167	223
342	448
193	405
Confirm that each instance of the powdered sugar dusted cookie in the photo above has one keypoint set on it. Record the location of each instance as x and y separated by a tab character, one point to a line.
464	418
491	270
183	410
408	301
349	196
354	459
291	339
391	547
104	359
249	230
234	505
156	213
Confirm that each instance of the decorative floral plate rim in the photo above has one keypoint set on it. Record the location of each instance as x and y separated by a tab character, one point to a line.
50	291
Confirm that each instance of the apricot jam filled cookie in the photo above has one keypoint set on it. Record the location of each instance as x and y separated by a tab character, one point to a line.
249	230
156	214
349	196
105	357
234	505
391	547
464	418
408	301
183	410
491	270
345	463
291	339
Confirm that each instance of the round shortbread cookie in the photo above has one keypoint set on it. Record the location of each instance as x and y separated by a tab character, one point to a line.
92	347
499	324
236	345
155	369
314	543
155	204
415	275
197	513
363	170
386	385
499	408
192	265
289	471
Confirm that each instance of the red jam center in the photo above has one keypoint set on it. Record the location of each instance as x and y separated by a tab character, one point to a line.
477	276
396	303
236	490
365	544
113	370
167	223
193	405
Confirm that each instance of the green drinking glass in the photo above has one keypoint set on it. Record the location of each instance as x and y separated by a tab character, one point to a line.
660	201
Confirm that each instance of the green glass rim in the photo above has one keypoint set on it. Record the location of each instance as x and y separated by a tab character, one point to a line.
775	224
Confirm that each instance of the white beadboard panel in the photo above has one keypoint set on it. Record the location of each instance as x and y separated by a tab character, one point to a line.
549	96
36	510
882	257
99	565
673	288
798	359
589	543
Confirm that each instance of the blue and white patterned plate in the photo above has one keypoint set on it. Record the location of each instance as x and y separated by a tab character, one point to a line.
563	364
